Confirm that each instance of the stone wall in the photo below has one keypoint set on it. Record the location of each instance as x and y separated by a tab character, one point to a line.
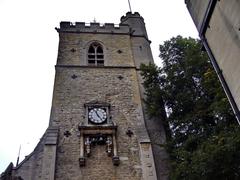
98	84
31	166
197	9
40	164
224	40
220	22
81	42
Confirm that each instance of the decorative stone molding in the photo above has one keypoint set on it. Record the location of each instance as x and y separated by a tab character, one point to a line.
98	135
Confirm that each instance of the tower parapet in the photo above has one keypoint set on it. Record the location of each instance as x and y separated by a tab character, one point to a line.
82	27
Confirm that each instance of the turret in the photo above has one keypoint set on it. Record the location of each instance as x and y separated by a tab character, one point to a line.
140	43
136	23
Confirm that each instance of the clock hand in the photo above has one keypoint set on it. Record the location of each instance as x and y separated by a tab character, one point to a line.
98	115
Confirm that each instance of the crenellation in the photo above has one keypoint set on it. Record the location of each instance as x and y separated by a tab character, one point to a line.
82	27
79	25
65	24
131	15
109	25
94	25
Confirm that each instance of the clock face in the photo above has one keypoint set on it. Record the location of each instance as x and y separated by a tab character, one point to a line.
97	115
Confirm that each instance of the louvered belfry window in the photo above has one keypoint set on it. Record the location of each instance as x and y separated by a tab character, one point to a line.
95	55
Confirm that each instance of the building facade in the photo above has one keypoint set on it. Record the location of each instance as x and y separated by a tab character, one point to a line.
98	127
218	24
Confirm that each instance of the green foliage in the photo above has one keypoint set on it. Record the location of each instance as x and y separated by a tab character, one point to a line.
216	158
153	92
203	137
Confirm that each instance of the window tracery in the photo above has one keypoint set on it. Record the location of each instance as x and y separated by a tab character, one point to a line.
95	55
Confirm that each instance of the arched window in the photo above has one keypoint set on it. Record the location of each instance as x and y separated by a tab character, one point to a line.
95	55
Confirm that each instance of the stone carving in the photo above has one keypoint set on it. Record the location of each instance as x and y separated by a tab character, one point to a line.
91	136
109	146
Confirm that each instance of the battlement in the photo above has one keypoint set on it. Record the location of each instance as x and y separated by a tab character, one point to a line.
82	27
131	15
132	24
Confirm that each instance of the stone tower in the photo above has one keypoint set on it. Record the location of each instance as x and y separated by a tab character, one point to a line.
98	128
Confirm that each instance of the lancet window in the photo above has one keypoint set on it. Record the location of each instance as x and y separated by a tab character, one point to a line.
95	55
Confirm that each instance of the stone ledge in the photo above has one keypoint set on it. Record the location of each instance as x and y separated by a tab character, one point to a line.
93	67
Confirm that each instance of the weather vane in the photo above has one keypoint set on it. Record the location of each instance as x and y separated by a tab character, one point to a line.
129	5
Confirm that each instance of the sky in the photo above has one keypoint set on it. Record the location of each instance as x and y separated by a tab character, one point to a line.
28	53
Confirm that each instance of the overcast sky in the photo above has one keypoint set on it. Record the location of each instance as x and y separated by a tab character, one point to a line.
28	51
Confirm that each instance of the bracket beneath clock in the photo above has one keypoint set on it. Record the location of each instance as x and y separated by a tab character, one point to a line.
94	135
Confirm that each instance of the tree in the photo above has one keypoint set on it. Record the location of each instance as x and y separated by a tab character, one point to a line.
186	94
